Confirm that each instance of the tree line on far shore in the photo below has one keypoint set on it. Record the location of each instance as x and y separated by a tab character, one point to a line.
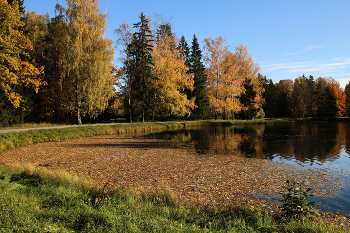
61	70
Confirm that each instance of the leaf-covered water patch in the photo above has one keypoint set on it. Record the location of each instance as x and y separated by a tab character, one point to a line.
150	164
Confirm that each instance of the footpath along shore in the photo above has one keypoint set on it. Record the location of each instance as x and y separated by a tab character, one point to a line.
52	127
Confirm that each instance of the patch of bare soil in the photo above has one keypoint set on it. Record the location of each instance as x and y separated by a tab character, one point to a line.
153	164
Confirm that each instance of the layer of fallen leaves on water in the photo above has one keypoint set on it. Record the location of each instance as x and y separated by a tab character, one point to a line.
152	164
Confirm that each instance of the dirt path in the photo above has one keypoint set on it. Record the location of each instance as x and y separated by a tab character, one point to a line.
152	164
52	127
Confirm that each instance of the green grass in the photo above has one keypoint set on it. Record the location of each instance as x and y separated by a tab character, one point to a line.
42	201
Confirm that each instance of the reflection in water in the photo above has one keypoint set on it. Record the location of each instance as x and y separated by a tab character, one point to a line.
304	142
324	145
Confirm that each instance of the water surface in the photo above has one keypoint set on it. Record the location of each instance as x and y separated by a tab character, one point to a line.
323	145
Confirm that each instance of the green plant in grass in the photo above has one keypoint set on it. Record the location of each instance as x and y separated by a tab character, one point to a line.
295	203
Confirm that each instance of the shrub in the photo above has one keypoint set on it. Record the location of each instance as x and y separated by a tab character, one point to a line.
295	203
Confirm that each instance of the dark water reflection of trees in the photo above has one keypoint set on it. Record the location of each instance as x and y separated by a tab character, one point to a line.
304	142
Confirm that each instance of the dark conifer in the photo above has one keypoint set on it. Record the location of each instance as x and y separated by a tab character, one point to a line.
196	67
139	71
184	50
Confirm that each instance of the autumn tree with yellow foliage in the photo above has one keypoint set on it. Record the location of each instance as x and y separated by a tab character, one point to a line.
17	70
86	61
171	76
224	83
251	98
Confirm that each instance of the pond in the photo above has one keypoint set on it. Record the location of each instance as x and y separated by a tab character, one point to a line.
322	145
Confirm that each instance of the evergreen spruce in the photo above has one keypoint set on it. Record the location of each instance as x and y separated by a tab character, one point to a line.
184	50
270	96
196	67
139	71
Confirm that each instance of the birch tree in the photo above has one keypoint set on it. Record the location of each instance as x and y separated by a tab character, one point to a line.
172	77
86	61
224	84
248	71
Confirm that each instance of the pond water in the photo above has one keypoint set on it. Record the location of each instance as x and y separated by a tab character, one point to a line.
322	145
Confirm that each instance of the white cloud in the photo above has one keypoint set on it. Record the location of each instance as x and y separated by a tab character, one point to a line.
338	68
310	66
303	50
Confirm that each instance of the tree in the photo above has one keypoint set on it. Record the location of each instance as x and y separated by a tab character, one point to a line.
347	93
17	71
331	100
251	98
311	96
284	89
20	5
340	97
172	77
184	50
325	100
124	38
270	95
138	68
196	67
299	97
224	84
86	61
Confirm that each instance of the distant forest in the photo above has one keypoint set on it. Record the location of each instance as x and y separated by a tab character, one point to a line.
60	70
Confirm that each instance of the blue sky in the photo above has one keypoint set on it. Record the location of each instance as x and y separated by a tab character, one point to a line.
286	38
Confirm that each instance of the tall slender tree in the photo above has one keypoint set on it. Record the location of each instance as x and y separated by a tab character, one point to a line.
86	62
196	67
284	89
138	69
224	85
270	96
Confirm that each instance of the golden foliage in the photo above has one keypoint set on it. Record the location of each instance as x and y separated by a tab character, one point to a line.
86	60
339	96
16	67
224	83
249	70
172	79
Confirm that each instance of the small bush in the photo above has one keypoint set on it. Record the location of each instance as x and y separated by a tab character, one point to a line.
295	201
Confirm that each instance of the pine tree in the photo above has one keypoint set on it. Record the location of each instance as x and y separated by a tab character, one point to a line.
196	67
138	67
270	96
184	50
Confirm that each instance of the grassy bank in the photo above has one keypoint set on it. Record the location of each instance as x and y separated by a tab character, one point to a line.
17	139
42	201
